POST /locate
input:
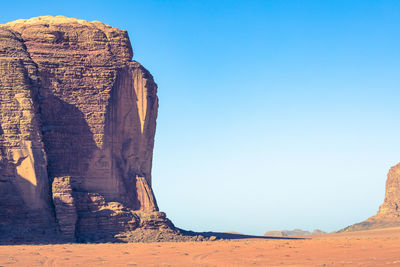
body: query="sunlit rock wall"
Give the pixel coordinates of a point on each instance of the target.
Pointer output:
(78, 120)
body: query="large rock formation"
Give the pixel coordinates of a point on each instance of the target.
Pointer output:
(77, 125)
(389, 212)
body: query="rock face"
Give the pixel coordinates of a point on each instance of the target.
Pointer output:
(77, 126)
(389, 212)
(64, 205)
(391, 205)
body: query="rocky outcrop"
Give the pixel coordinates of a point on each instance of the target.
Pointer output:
(391, 205)
(389, 212)
(77, 126)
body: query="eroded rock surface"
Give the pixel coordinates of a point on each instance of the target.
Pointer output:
(64, 205)
(77, 126)
(24, 186)
(389, 212)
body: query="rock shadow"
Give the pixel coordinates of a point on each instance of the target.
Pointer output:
(67, 138)
(68, 142)
(18, 223)
(231, 236)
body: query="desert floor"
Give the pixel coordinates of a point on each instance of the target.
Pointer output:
(367, 248)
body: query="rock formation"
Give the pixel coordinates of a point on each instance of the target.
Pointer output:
(389, 212)
(77, 126)
(295, 232)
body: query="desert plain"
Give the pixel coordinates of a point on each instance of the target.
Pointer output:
(364, 248)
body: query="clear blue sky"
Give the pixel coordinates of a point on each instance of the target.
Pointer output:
(273, 114)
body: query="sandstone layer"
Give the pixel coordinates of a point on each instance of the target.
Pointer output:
(77, 126)
(389, 212)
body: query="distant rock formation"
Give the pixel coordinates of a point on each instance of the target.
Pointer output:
(389, 212)
(77, 126)
(295, 232)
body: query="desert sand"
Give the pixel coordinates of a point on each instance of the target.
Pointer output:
(365, 248)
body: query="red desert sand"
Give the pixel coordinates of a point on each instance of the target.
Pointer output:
(364, 248)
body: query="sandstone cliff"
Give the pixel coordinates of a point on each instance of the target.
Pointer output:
(77, 126)
(389, 212)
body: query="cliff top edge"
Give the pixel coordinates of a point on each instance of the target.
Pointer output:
(52, 20)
